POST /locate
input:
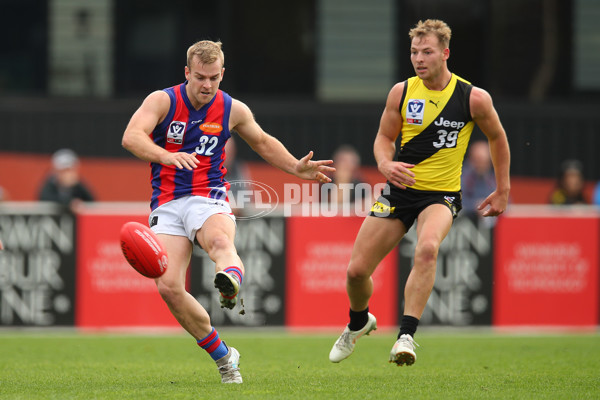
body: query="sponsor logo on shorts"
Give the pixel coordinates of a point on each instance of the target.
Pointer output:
(450, 203)
(380, 208)
(454, 211)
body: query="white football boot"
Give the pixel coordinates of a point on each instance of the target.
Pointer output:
(344, 346)
(403, 351)
(229, 367)
(229, 288)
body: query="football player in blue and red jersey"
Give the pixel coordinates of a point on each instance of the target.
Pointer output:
(182, 132)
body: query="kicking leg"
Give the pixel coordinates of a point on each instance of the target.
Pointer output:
(217, 237)
(189, 313)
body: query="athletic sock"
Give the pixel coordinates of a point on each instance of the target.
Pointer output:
(236, 272)
(408, 326)
(358, 319)
(213, 345)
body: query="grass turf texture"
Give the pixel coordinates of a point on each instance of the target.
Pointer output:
(286, 366)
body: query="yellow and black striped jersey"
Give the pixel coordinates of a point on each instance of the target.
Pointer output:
(436, 128)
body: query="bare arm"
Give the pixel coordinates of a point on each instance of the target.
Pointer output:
(136, 138)
(272, 150)
(485, 116)
(384, 148)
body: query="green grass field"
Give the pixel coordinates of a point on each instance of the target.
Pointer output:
(278, 365)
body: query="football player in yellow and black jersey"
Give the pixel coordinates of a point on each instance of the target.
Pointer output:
(433, 114)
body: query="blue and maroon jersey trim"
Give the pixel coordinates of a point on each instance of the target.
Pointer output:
(185, 129)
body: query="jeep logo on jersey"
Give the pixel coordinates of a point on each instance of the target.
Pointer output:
(211, 127)
(449, 124)
(414, 111)
(175, 132)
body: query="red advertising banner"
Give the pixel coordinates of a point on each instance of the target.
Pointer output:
(318, 252)
(546, 269)
(110, 293)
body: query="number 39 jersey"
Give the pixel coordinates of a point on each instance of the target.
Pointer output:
(436, 128)
(185, 129)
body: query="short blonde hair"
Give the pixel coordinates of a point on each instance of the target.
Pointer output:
(435, 26)
(207, 51)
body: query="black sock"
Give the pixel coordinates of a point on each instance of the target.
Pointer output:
(358, 319)
(408, 326)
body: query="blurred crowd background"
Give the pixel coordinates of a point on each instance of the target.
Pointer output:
(315, 72)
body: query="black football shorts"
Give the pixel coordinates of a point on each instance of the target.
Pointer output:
(407, 204)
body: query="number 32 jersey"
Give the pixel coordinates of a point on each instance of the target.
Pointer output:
(436, 128)
(204, 132)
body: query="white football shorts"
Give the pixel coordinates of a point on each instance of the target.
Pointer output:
(186, 215)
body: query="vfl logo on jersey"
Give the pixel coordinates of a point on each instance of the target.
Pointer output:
(175, 132)
(414, 111)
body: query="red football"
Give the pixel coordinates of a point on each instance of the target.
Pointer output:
(143, 250)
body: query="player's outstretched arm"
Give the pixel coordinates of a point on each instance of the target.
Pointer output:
(306, 168)
(136, 138)
(485, 116)
(272, 150)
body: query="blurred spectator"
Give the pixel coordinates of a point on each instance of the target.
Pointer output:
(570, 184)
(596, 194)
(64, 185)
(346, 161)
(596, 200)
(478, 179)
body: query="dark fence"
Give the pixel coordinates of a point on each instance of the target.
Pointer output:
(541, 136)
